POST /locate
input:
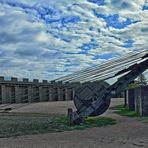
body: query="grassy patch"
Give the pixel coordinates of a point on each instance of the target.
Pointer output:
(16, 124)
(117, 107)
(124, 111)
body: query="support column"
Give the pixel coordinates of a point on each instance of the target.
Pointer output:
(144, 100)
(125, 97)
(3, 94)
(50, 94)
(73, 94)
(12, 100)
(45, 91)
(67, 94)
(137, 99)
(30, 99)
(41, 94)
(18, 94)
(60, 94)
(131, 100)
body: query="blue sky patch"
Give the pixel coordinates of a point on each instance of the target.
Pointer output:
(98, 2)
(128, 43)
(145, 7)
(89, 46)
(70, 64)
(113, 20)
(103, 56)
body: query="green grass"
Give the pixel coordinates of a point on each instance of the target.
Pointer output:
(17, 124)
(117, 107)
(144, 119)
(124, 111)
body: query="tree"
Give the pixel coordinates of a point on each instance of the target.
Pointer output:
(142, 81)
(133, 84)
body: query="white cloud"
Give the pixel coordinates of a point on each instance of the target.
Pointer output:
(29, 49)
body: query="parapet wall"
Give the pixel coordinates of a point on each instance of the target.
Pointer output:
(14, 91)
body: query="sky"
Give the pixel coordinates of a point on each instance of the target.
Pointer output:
(47, 39)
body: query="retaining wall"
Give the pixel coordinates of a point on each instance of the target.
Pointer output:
(14, 91)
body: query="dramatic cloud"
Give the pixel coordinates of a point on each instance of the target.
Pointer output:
(47, 39)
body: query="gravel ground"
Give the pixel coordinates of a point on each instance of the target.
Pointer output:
(127, 133)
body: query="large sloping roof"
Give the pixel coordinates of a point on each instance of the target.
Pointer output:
(107, 69)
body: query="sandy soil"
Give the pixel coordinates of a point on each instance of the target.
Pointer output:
(128, 133)
(59, 107)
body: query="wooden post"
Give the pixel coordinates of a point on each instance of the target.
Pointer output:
(70, 116)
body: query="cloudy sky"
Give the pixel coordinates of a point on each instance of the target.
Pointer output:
(47, 39)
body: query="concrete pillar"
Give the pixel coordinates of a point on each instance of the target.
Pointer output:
(30, 99)
(3, 94)
(73, 94)
(61, 94)
(35, 94)
(131, 100)
(44, 91)
(125, 97)
(144, 101)
(55, 94)
(54, 91)
(50, 94)
(137, 95)
(0, 95)
(12, 99)
(8, 94)
(18, 94)
(67, 94)
(25, 94)
(40, 93)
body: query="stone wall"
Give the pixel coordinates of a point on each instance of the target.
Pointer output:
(138, 100)
(14, 91)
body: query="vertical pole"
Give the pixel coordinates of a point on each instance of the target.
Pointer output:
(70, 116)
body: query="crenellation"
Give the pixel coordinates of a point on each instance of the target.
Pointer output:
(1, 78)
(35, 81)
(25, 80)
(45, 81)
(13, 79)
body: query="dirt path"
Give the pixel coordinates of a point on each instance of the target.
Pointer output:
(128, 133)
